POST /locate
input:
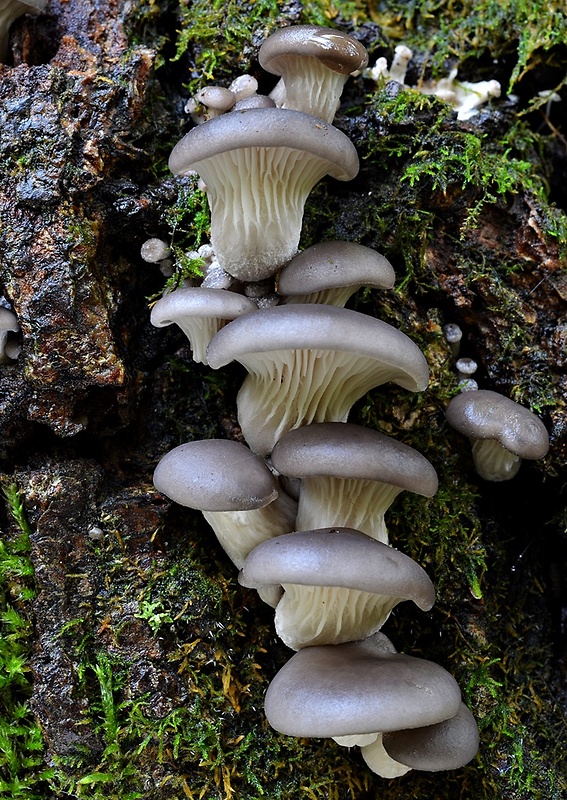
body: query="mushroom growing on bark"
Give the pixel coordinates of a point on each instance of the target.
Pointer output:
(314, 64)
(502, 432)
(310, 363)
(200, 313)
(8, 323)
(232, 487)
(10, 10)
(330, 272)
(339, 584)
(358, 688)
(349, 475)
(259, 166)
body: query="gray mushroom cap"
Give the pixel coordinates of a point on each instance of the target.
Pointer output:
(10, 10)
(195, 301)
(345, 450)
(355, 688)
(266, 127)
(335, 264)
(338, 557)
(489, 415)
(336, 50)
(317, 327)
(8, 320)
(449, 744)
(215, 475)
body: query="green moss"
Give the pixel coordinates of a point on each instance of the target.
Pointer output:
(21, 742)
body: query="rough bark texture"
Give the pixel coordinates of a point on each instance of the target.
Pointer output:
(149, 662)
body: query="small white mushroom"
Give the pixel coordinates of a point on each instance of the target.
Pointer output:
(8, 323)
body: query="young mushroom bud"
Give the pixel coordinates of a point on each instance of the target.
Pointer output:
(314, 64)
(259, 166)
(232, 487)
(501, 431)
(330, 272)
(310, 363)
(339, 584)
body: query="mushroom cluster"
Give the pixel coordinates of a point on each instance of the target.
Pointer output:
(301, 507)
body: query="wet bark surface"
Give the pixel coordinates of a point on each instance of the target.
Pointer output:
(97, 396)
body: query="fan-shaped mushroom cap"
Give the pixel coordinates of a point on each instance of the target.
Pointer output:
(350, 475)
(314, 63)
(259, 166)
(502, 432)
(200, 313)
(339, 584)
(234, 489)
(10, 10)
(449, 744)
(311, 363)
(355, 688)
(330, 272)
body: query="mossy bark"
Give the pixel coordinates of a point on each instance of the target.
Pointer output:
(148, 661)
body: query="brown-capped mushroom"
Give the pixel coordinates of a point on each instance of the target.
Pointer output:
(259, 166)
(349, 475)
(502, 432)
(330, 272)
(233, 488)
(314, 63)
(339, 584)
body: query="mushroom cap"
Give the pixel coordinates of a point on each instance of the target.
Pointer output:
(318, 327)
(361, 687)
(264, 128)
(215, 475)
(217, 98)
(345, 450)
(449, 744)
(335, 264)
(484, 414)
(8, 320)
(338, 557)
(336, 50)
(195, 301)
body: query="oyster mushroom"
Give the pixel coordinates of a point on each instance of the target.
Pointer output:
(233, 488)
(310, 363)
(259, 166)
(10, 10)
(339, 584)
(349, 475)
(314, 64)
(330, 272)
(200, 313)
(502, 432)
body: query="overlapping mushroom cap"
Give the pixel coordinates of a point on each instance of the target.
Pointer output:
(259, 166)
(502, 432)
(311, 363)
(235, 490)
(200, 313)
(339, 584)
(330, 272)
(314, 64)
(356, 688)
(350, 475)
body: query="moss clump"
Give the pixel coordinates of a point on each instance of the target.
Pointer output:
(21, 742)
